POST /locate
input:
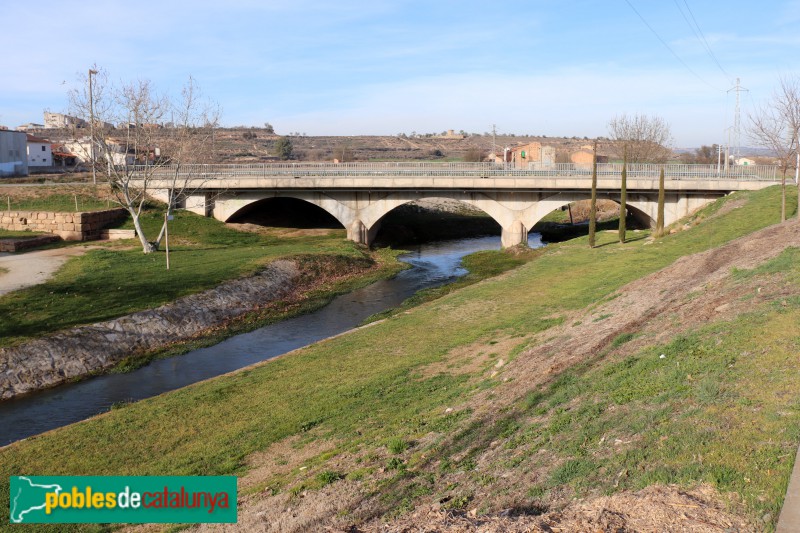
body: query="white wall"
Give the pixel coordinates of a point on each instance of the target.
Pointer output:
(39, 155)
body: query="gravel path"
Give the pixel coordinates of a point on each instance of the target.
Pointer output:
(32, 268)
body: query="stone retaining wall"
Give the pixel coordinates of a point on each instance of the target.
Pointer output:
(18, 244)
(81, 351)
(83, 226)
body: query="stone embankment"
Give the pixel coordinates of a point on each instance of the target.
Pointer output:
(82, 351)
(82, 226)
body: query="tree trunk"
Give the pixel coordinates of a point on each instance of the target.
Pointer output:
(623, 197)
(593, 205)
(660, 215)
(147, 247)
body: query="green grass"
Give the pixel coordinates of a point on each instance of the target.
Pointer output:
(111, 282)
(6, 233)
(367, 387)
(721, 408)
(85, 200)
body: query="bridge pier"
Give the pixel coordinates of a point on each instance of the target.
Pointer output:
(358, 232)
(516, 234)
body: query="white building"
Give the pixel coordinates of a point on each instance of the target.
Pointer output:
(745, 161)
(40, 154)
(82, 149)
(59, 120)
(30, 126)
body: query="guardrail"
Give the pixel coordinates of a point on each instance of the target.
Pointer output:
(452, 170)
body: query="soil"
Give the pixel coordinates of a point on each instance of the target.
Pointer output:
(32, 268)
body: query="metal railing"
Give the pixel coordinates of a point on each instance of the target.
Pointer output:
(460, 170)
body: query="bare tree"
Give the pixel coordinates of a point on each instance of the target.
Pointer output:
(648, 138)
(130, 157)
(196, 120)
(776, 126)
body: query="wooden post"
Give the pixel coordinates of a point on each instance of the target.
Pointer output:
(166, 238)
(660, 212)
(593, 205)
(623, 196)
(76, 203)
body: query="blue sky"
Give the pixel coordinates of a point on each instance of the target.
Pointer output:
(379, 67)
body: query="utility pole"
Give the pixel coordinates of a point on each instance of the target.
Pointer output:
(91, 126)
(737, 120)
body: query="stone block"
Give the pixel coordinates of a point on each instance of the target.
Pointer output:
(69, 235)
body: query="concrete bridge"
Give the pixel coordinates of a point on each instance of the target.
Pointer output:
(358, 195)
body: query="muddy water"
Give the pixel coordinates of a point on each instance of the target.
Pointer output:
(433, 264)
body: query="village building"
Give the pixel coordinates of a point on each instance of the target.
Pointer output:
(60, 120)
(584, 157)
(40, 154)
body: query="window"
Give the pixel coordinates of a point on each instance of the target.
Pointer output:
(44, 148)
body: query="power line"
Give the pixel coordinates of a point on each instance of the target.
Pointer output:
(701, 37)
(668, 47)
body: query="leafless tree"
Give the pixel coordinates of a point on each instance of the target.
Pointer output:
(131, 157)
(648, 138)
(776, 126)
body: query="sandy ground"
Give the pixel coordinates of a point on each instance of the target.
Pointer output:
(32, 268)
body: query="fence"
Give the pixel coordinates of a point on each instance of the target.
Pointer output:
(63, 203)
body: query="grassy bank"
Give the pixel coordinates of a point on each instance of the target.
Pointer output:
(375, 402)
(115, 279)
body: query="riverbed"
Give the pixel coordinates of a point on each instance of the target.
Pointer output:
(432, 264)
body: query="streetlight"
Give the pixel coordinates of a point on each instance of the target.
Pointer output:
(91, 126)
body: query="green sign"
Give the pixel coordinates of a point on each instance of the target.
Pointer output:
(122, 499)
(523, 154)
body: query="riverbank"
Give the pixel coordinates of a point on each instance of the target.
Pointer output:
(117, 279)
(509, 399)
(283, 288)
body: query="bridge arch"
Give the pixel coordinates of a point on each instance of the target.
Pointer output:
(508, 220)
(230, 206)
(397, 203)
(285, 211)
(641, 210)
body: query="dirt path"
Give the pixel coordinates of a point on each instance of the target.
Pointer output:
(32, 268)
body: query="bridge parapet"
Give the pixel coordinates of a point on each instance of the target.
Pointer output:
(451, 170)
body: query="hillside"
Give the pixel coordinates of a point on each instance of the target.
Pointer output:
(651, 385)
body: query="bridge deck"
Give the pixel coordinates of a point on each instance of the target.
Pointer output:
(454, 176)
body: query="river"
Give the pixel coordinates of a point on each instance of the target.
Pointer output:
(432, 264)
